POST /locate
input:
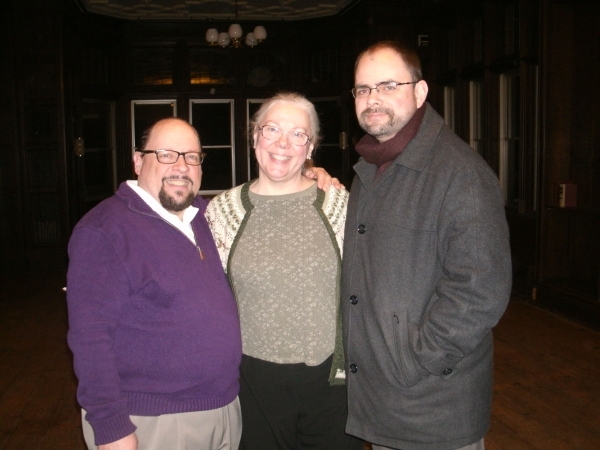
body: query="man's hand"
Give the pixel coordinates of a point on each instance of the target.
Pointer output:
(127, 443)
(324, 180)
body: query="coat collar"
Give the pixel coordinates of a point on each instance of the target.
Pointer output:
(133, 200)
(414, 157)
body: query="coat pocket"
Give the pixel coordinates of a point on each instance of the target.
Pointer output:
(408, 372)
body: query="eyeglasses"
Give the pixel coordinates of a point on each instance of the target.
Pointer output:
(385, 88)
(171, 156)
(296, 137)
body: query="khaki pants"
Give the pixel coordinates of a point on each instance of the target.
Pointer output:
(475, 446)
(216, 429)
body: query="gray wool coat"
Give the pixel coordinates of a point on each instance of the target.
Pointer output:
(426, 275)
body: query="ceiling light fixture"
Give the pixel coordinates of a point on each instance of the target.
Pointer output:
(234, 36)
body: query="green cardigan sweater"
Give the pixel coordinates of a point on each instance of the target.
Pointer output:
(227, 215)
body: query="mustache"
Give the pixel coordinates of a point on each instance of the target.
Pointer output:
(380, 110)
(178, 177)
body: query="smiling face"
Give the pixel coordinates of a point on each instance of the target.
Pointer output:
(279, 162)
(173, 185)
(383, 116)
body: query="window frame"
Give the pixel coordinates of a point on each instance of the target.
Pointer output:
(171, 101)
(231, 147)
(450, 106)
(476, 129)
(509, 137)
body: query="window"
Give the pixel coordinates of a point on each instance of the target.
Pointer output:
(252, 105)
(475, 115)
(330, 154)
(449, 106)
(214, 121)
(510, 154)
(144, 113)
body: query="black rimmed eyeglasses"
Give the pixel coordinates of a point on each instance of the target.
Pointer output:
(171, 156)
(385, 88)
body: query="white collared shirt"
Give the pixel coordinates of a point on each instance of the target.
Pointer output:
(184, 225)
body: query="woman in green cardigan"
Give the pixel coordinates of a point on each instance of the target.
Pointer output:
(280, 241)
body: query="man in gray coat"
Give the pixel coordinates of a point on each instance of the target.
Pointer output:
(426, 271)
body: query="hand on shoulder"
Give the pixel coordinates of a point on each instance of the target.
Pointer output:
(324, 180)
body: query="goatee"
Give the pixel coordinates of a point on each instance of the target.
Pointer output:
(173, 204)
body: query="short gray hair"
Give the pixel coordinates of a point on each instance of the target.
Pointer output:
(295, 99)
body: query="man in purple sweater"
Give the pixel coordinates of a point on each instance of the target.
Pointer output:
(153, 324)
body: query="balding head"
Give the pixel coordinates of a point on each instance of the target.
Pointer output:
(173, 185)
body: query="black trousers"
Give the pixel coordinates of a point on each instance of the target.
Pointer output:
(291, 407)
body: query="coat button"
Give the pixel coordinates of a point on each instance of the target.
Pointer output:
(447, 371)
(353, 368)
(353, 299)
(362, 229)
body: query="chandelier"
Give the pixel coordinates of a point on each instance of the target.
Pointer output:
(234, 36)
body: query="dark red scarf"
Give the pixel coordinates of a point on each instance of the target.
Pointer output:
(383, 153)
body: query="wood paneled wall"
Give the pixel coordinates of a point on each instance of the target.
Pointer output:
(34, 191)
(568, 260)
(58, 56)
(11, 217)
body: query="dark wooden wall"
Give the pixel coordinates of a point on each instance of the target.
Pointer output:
(33, 180)
(555, 53)
(569, 246)
(56, 56)
(11, 237)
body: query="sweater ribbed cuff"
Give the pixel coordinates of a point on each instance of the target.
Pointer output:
(112, 429)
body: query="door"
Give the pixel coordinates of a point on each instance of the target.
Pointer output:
(332, 153)
(95, 155)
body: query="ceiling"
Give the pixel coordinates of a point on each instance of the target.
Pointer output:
(216, 9)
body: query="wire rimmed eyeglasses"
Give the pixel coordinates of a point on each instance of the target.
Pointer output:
(385, 87)
(171, 156)
(272, 133)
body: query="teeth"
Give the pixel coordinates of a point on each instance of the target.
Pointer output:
(177, 183)
(280, 157)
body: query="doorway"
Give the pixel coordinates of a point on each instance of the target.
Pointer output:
(95, 169)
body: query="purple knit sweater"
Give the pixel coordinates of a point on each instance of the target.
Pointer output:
(153, 328)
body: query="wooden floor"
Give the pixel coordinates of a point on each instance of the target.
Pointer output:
(547, 375)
